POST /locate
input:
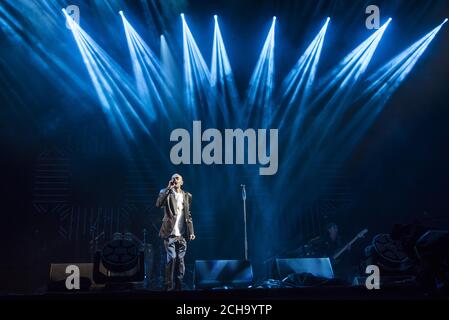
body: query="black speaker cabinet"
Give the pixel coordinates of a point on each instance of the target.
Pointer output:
(58, 276)
(222, 273)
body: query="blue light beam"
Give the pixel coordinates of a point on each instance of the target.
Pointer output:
(197, 79)
(150, 80)
(301, 78)
(384, 83)
(112, 85)
(348, 77)
(261, 84)
(354, 64)
(340, 85)
(167, 62)
(222, 78)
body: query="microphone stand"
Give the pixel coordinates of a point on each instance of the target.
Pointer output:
(145, 259)
(244, 220)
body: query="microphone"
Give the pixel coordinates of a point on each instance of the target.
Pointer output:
(169, 187)
(243, 192)
(172, 184)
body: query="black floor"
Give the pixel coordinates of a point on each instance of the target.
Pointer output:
(275, 294)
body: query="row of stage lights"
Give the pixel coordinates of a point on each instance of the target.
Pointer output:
(214, 86)
(216, 16)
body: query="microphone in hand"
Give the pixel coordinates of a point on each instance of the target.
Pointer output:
(171, 184)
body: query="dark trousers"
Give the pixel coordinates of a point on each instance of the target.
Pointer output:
(175, 247)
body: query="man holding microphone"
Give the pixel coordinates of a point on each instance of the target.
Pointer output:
(177, 227)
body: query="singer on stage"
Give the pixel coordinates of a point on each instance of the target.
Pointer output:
(177, 226)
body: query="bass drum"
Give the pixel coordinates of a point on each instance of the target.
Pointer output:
(388, 254)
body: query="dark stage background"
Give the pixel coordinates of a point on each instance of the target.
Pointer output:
(65, 172)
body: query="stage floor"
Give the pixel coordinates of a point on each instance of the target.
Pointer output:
(252, 294)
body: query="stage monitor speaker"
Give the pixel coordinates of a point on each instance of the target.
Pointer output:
(222, 273)
(319, 267)
(58, 276)
(391, 281)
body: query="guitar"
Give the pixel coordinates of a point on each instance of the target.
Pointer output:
(360, 235)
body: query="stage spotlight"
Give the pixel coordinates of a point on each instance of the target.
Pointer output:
(168, 63)
(337, 94)
(349, 76)
(399, 67)
(302, 76)
(182, 16)
(197, 78)
(355, 63)
(114, 89)
(67, 15)
(150, 81)
(305, 61)
(20, 29)
(262, 80)
(445, 20)
(120, 12)
(222, 79)
(215, 17)
(274, 18)
(365, 57)
(343, 80)
(383, 84)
